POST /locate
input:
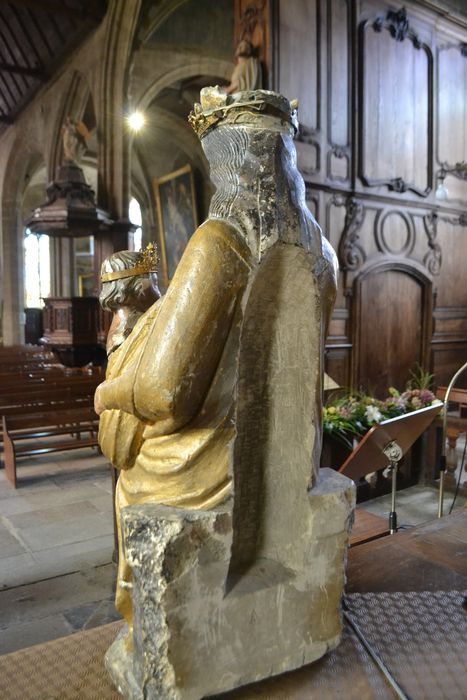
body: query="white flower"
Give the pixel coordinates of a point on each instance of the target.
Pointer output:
(373, 414)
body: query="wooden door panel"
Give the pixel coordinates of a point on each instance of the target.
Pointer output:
(390, 330)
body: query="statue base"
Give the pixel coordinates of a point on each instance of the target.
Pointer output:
(200, 629)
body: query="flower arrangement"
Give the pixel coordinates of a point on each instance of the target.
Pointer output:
(349, 417)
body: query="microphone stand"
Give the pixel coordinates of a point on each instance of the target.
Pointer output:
(442, 459)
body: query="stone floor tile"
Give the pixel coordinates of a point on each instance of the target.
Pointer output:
(31, 632)
(10, 545)
(102, 503)
(53, 514)
(25, 499)
(67, 532)
(16, 569)
(57, 562)
(53, 596)
(92, 614)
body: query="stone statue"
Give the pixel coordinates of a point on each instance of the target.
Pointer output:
(247, 74)
(234, 542)
(128, 292)
(129, 288)
(75, 135)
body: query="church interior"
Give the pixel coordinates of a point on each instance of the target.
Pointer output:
(97, 156)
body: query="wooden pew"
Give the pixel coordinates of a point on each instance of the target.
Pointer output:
(18, 380)
(51, 430)
(26, 351)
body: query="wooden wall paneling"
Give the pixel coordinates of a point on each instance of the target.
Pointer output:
(338, 70)
(449, 341)
(452, 280)
(451, 102)
(446, 359)
(299, 74)
(393, 313)
(395, 106)
(373, 81)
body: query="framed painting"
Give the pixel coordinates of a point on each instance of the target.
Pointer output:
(176, 212)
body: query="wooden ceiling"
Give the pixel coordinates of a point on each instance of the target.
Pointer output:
(35, 37)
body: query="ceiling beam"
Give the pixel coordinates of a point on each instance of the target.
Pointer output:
(38, 73)
(59, 7)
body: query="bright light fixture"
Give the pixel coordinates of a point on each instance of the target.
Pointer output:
(136, 121)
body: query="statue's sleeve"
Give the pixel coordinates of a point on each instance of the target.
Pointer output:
(185, 343)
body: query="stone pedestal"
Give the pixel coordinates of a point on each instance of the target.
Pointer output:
(200, 629)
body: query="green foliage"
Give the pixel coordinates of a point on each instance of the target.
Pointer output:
(348, 417)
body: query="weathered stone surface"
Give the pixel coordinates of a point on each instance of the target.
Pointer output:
(199, 631)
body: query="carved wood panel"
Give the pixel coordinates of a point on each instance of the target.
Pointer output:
(390, 335)
(396, 76)
(383, 103)
(299, 67)
(338, 90)
(452, 122)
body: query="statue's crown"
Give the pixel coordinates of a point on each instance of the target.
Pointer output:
(147, 261)
(242, 108)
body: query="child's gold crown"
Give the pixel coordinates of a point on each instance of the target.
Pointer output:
(147, 262)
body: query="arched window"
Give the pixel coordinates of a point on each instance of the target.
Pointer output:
(36, 268)
(134, 214)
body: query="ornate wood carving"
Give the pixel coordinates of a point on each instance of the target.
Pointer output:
(351, 253)
(398, 25)
(394, 233)
(382, 136)
(433, 258)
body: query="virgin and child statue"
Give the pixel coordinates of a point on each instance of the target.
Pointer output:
(214, 396)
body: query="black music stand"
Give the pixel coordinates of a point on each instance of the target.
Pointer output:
(385, 444)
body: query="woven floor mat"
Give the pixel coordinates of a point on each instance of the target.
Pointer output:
(72, 668)
(64, 669)
(420, 637)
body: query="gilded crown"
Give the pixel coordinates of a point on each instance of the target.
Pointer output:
(242, 108)
(147, 261)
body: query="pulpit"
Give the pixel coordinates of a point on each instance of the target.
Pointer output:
(71, 330)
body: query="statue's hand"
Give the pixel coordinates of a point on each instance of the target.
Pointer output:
(98, 406)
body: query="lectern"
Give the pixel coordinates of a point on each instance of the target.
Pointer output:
(385, 444)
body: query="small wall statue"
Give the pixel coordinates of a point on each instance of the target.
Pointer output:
(247, 74)
(234, 540)
(74, 137)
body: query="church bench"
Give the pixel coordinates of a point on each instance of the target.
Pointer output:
(26, 352)
(48, 431)
(51, 401)
(25, 381)
(26, 395)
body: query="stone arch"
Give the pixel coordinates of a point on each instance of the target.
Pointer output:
(24, 161)
(202, 65)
